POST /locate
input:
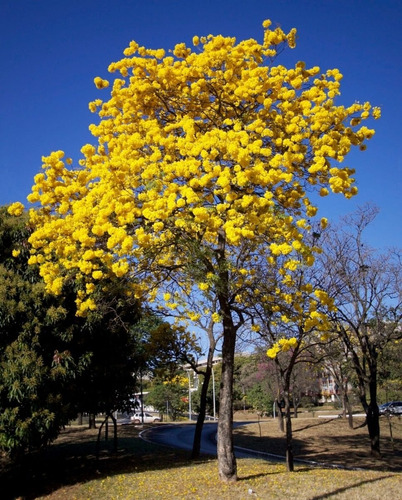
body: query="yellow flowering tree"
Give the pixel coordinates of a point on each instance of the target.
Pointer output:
(205, 155)
(290, 314)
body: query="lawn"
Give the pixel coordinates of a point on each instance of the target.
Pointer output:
(69, 470)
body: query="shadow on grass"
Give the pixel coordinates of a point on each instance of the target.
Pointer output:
(344, 451)
(323, 496)
(348, 488)
(320, 423)
(256, 476)
(73, 460)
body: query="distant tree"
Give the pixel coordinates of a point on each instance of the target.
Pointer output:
(304, 385)
(169, 395)
(265, 379)
(247, 380)
(162, 346)
(255, 385)
(334, 358)
(259, 399)
(390, 373)
(207, 395)
(244, 371)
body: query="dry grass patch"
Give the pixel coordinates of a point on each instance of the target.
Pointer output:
(329, 441)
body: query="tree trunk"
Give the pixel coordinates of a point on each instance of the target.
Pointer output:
(92, 422)
(373, 414)
(289, 435)
(99, 435)
(296, 405)
(373, 425)
(203, 405)
(226, 458)
(371, 410)
(281, 424)
(114, 432)
(347, 409)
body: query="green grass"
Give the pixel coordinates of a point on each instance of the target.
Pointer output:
(140, 470)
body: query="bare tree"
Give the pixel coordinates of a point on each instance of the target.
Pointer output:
(365, 285)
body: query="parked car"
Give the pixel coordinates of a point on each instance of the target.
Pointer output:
(137, 418)
(391, 408)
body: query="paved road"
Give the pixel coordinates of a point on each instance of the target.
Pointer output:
(182, 435)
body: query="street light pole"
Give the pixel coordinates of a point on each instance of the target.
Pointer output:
(189, 395)
(142, 399)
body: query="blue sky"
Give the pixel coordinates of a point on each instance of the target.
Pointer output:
(51, 50)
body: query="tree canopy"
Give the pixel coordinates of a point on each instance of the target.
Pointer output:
(202, 144)
(53, 363)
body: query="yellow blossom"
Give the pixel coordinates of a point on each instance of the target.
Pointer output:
(101, 83)
(216, 318)
(16, 209)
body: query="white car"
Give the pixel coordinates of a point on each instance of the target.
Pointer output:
(391, 408)
(147, 418)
